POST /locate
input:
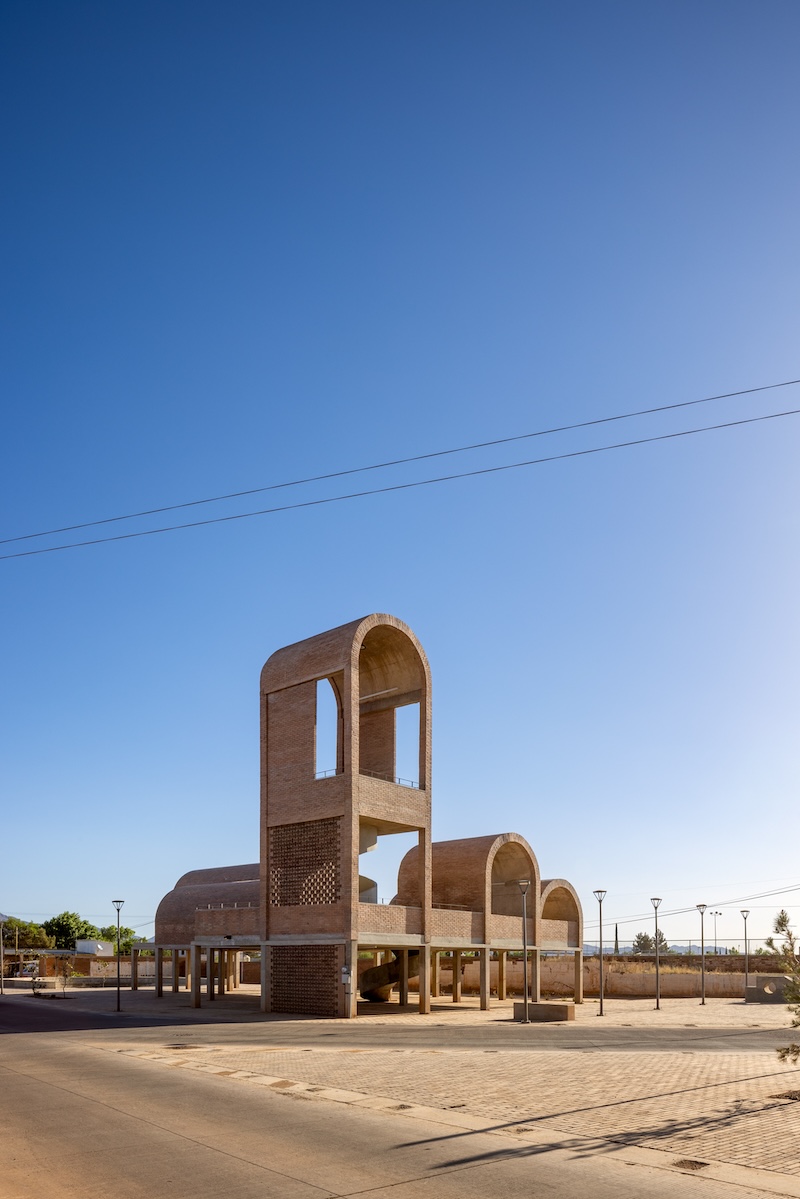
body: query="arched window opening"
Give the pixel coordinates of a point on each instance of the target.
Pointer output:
(511, 863)
(407, 745)
(327, 731)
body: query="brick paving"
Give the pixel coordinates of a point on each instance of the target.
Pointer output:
(718, 1107)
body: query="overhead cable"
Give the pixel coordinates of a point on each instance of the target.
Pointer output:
(356, 470)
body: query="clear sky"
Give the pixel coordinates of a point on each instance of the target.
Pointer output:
(248, 243)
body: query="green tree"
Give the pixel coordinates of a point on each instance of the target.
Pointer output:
(69, 927)
(644, 943)
(127, 936)
(788, 950)
(26, 935)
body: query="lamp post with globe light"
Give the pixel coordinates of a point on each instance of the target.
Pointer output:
(524, 883)
(745, 914)
(118, 904)
(655, 902)
(600, 896)
(701, 907)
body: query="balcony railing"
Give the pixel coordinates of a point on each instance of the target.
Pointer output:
(390, 778)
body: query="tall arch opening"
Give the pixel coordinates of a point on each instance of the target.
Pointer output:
(391, 694)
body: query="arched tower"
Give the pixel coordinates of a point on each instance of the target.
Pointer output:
(318, 814)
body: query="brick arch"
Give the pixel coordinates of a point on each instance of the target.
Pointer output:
(560, 902)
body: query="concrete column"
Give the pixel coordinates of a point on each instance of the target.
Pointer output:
(176, 969)
(579, 976)
(237, 970)
(266, 990)
(221, 955)
(159, 972)
(435, 983)
(134, 969)
(187, 981)
(350, 997)
(424, 981)
(536, 976)
(403, 988)
(210, 974)
(502, 985)
(456, 976)
(484, 979)
(194, 972)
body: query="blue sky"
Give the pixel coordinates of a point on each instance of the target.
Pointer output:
(245, 244)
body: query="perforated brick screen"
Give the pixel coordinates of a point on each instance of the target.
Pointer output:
(305, 981)
(304, 863)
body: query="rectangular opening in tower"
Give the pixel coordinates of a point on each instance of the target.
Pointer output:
(407, 746)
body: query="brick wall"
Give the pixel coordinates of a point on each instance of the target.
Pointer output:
(226, 922)
(307, 982)
(388, 918)
(304, 864)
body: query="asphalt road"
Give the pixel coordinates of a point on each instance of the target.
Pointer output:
(81, 1121)
(228, 1020)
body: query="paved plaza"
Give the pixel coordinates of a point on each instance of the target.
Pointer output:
(676, 1096)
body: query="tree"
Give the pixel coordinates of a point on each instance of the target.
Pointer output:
(126, 936)
(69, 927)
(644, 943)
(26, 935)
(788, 950)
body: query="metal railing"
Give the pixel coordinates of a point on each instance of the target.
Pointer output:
(391, 778)
(373, 774)
(220, 907)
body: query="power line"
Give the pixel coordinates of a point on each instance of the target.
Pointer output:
(339, 474)
(354, 495)
(721, 903)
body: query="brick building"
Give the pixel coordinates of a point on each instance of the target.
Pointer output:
(305, 905)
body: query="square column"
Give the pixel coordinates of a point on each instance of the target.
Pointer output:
(176, 970)
(134, 969)
(159, 972)
(187, 957)
(456, 976)
(266, 990)
(424, 981)
(579, 976)
(536, 976)
(502, 983)
(210, 974)
(435, 984)
(193, 972)
(350, 981)
(403, 988)
(484, 960)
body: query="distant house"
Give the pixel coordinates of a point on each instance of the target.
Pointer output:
(98, 949)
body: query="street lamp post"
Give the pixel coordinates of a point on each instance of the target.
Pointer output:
(655, 902)
(701, 907)
(600, 896)
(745, 914)
(715, 914)
(524, 883)
(2, 953)
(118, 904)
